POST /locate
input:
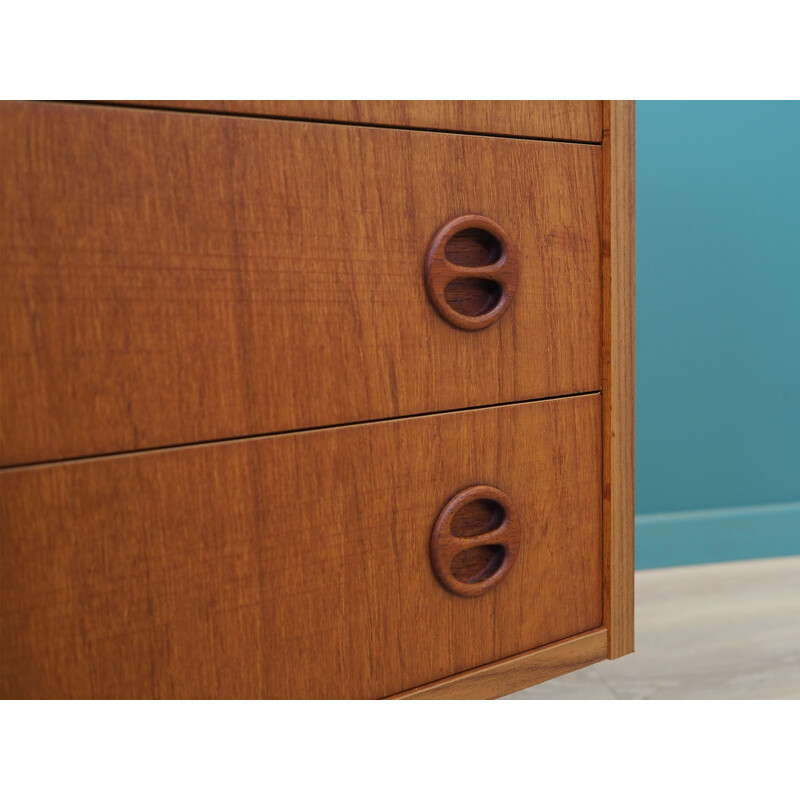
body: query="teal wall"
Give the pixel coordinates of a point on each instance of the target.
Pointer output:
(718, 331)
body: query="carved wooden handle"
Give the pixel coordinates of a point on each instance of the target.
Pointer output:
(471, 272)
(475, 540)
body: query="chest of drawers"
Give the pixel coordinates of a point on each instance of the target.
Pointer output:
(314, 399)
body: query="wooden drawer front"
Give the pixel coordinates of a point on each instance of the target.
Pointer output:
(575, 120)
(172, 278)
(295, 565)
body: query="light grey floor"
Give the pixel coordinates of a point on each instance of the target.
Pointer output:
(712, 631)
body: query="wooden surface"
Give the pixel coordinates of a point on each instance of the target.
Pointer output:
(294, 565)
(619, 245)
(172, 278)
(574, 120)
(705, 632)
(527, 669)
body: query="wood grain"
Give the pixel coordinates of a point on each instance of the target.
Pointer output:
(574, 120)
(517, 672)
(171, 278)
(619, 246)
(295, 565)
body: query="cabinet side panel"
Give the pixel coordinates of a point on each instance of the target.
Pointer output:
(619, 242)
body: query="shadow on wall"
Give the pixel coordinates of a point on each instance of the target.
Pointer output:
(718, 331)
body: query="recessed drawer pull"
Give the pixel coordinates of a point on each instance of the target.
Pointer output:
(471, 272)
(475, 540)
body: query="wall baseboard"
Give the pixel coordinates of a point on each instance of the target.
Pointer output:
(722, 534)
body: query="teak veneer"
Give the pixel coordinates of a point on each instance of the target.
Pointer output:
(314, 399)
(172, 278)
(295, 565)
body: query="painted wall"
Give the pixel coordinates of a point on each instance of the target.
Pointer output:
(718, 331)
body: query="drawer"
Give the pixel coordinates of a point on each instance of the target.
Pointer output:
(576, 120)
(171, 278)
(300, 565)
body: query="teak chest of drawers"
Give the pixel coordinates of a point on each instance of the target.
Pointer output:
(314, 399)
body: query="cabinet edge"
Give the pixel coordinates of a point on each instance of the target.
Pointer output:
(618, 271)
(516, 672)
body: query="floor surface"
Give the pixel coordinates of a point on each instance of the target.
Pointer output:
(713, 631)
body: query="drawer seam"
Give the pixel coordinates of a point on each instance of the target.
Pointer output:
(289, 432)
(133, 106)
